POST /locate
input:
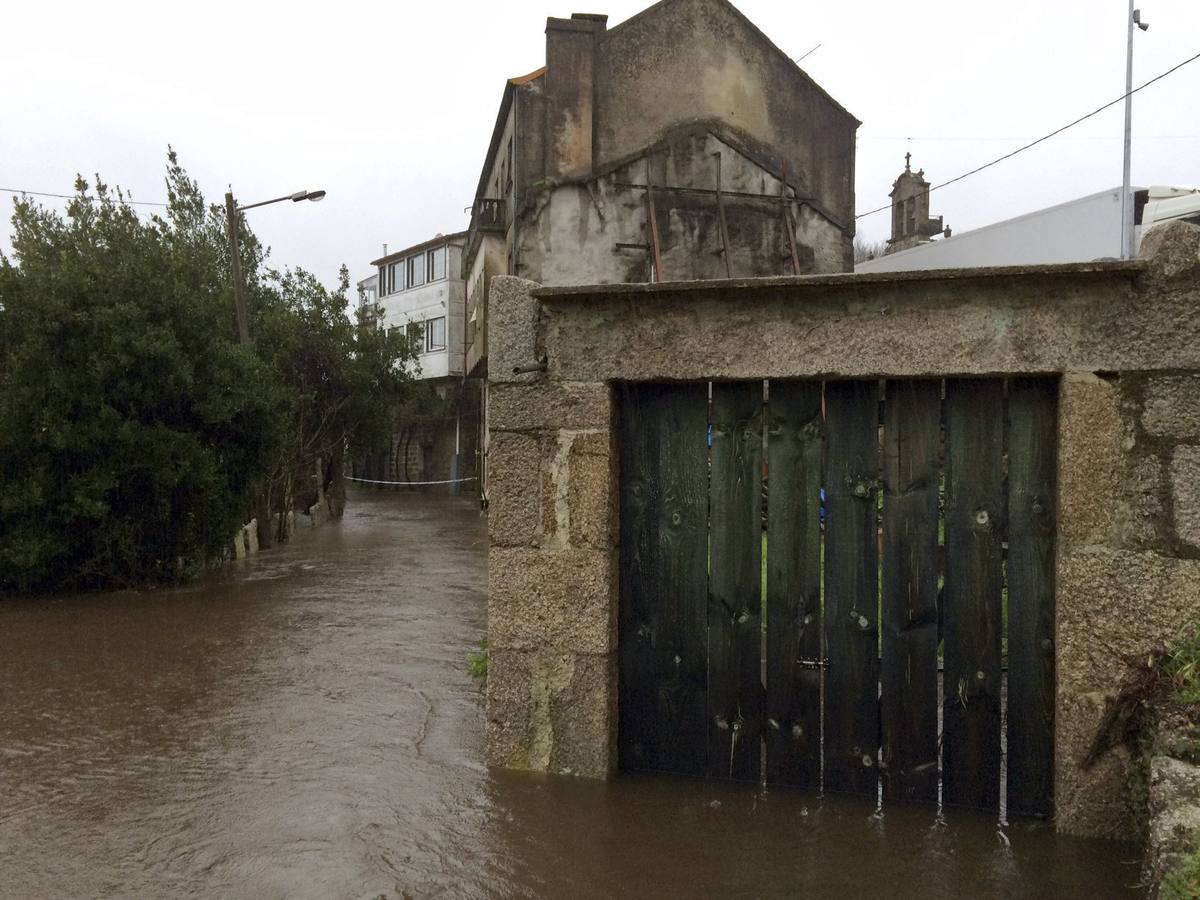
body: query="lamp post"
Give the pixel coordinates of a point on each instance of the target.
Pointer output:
(235, 259)
(1135, 18)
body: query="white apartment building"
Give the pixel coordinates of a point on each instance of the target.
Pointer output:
(421, 289)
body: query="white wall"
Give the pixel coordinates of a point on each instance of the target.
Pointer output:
(442, 298)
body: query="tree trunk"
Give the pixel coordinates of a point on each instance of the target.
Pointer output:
(285, 508)
(262, 512)
(407, 446)
(335, 482)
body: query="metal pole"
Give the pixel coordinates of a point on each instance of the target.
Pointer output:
(235, 270)
(265, 202)
(1126, 199)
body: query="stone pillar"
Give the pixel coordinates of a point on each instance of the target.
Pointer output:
(552, 561)
(1097, 801)
(1122, 590)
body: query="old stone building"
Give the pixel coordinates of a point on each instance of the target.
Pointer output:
(911, 222)
(680, 144)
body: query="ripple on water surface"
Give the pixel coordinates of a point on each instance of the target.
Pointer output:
(300, 724)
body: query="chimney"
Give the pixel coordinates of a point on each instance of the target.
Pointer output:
(570, 58)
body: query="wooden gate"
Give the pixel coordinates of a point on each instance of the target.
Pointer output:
(841, 585)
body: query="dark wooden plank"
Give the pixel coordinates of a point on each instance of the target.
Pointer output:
(851, 586)
(1032, 459)
(971, 596)
(663, 666)
(908, 699)
(795, 437)
(735, 695)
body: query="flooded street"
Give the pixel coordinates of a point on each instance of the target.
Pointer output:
(301, 724)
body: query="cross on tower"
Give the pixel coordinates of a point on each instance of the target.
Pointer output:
(907, 160)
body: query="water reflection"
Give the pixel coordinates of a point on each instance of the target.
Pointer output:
(301, 725)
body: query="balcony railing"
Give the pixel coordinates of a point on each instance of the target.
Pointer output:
(491, 215)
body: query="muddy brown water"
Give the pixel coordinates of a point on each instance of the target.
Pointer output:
(301, 725)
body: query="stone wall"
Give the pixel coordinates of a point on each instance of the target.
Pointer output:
(1125, 338)
(1128, 580)
(1174, 804)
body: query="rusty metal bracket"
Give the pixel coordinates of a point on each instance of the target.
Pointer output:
(652, 218)
(788, 223)
(724, 226)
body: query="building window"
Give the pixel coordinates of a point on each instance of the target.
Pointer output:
(414, 335)
(394, 280)
(435, 334)
(435, 264)
(416, 270)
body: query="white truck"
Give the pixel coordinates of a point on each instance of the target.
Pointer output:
(1080, 230)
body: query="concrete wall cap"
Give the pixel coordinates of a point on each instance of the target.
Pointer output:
(1110, 268)
(1173, 250)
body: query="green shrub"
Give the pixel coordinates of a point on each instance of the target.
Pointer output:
(477, 661)
(1183, 665)
(1182, 882)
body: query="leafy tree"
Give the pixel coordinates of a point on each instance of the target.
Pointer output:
(130, 424)
(135, 432)
(343, 380)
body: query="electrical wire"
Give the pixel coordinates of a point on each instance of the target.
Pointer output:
(870, 212)
(4, 190)
(1046, 137)
(1025, 137)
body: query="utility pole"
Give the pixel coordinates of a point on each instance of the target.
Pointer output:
(235, 258)
(235, 269)
(1127, 249)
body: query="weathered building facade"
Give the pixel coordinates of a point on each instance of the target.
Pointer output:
(681, 144)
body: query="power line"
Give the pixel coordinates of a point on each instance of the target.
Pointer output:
(1025, 137)
(4, 190)
(1046, 137)
(871, 212)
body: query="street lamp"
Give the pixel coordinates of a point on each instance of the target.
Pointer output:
(1135, 18)
(235, 260)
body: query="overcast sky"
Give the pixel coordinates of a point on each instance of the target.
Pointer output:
(389, 107)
